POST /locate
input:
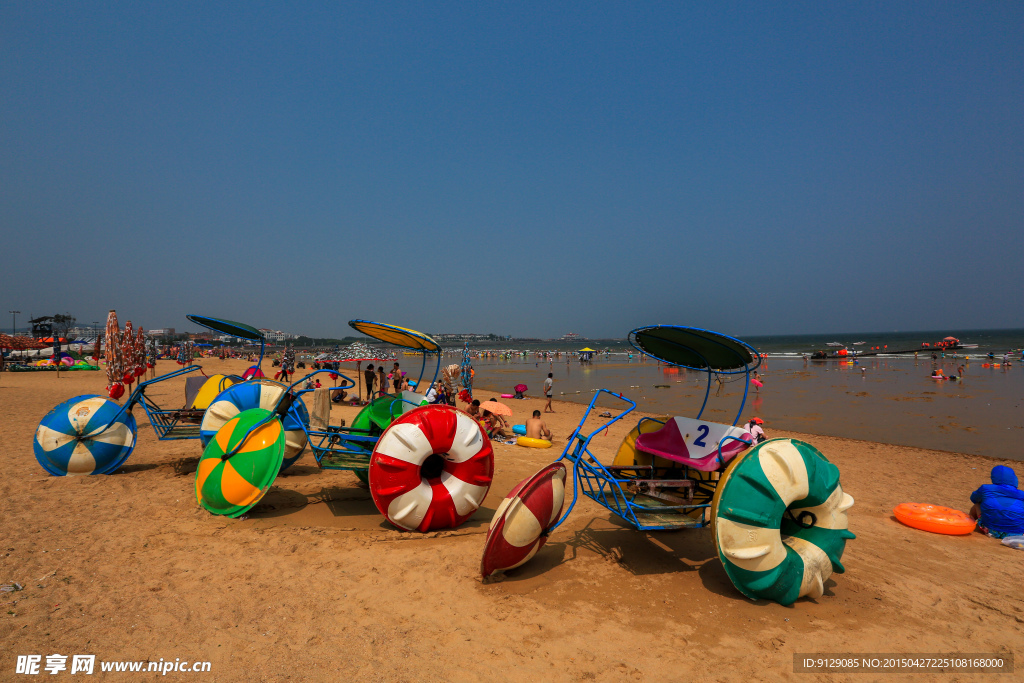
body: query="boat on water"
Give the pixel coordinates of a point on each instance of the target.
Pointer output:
(946, 344)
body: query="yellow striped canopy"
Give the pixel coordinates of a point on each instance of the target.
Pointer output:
(399, 336)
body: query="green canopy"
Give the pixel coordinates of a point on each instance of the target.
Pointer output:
(695, 349)
(228, 327)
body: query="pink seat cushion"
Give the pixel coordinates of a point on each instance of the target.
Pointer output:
(669, 443)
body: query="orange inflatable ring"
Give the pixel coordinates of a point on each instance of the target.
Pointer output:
(934, 518)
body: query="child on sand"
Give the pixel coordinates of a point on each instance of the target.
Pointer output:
(999, 506)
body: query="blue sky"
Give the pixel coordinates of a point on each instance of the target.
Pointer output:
(519, 168)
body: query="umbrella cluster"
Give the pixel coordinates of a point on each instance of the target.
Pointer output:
(125, 355)
(20, 343)
(186, 352)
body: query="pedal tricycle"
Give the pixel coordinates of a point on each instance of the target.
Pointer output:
(776, 509)
(92, 434)
(427, 466)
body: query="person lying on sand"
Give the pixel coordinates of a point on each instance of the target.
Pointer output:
(999, 506)
(536, 428)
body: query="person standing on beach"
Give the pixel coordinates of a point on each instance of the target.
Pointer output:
(382, 379)
(396, 378)
(548, 390)
(371, 378)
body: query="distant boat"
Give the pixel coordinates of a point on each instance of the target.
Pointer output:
(835, 344)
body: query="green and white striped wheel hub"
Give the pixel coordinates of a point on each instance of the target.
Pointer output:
(767, 553)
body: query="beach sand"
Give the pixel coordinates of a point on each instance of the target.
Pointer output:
(316, 585)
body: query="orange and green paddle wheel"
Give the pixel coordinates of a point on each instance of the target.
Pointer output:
(240, 463)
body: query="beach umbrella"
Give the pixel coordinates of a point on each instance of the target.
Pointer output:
(139, 353)
(359, 353)
(128, 353)
(56, 353)
(520, 388)
(112, 343)
(238, 467)
(496, 408)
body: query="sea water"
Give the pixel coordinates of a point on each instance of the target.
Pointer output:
(887, 399)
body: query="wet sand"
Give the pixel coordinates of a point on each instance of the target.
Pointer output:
(314, 585)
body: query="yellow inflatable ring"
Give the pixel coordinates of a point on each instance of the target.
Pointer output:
(533, 443)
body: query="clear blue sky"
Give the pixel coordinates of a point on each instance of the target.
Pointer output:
(532, 169)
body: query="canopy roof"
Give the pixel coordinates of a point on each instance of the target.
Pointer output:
(587, 348)
(354, 353)
(228, 327)
(20, 343)
(399, 336)
(694, 348)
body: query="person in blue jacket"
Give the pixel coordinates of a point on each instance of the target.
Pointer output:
(999, 506)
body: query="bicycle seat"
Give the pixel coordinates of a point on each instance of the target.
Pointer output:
(694, 443)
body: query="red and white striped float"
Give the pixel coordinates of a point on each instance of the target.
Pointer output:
(431, 469)
(521, 524)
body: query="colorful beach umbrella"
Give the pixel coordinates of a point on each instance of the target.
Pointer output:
(496, 408)
(229, 481)
(84, 435)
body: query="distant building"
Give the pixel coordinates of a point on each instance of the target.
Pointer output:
(470, 337)
(276, 335)
(85, 333)
(165, 332)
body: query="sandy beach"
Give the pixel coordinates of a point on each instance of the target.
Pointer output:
(314, 584)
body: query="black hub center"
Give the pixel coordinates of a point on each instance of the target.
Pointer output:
(432, 466)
